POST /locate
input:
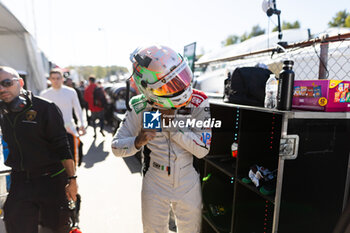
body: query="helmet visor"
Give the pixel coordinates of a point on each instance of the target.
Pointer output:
(178, 83)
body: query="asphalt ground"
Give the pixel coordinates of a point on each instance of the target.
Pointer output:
(110, 188)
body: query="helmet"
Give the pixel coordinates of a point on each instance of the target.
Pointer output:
(163, 76)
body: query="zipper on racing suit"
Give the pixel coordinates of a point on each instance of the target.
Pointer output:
(169, 172)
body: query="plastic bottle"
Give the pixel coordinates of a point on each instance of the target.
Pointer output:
(271, 92)
(285, 86)
(234, 149)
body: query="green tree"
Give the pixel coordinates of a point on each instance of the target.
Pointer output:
(114, 70)
(340, 19)
(256, 31)
(99, 71)
(347, 22)
(231, 39)
(244, 37)
(288, 25)
(85, 71)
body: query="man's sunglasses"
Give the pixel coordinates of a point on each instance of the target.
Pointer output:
(8, 82)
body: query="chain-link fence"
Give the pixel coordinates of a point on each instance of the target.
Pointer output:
(326, 58)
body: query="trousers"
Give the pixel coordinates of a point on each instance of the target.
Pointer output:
(156, 206)
(35, 200)
(95, 116)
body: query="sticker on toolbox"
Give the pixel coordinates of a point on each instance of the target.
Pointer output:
(334, 83)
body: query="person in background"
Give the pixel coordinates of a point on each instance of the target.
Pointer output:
(170, 179)
(84, 106)
(69, 83)
(43, 176)
(66, 99)
(96, 100)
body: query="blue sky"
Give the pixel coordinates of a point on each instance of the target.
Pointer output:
(105, 32)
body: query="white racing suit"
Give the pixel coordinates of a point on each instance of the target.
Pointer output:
(171, 181)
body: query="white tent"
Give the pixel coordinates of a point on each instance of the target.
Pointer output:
(18, 50)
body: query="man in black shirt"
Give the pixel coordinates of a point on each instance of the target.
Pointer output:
(43, 176)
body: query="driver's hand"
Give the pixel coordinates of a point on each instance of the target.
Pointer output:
(143, 137)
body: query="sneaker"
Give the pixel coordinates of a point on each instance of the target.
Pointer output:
(266, 191)
(246, 180)
(268, 188)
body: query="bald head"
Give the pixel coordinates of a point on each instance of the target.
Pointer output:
(10, 84)
(10, 71)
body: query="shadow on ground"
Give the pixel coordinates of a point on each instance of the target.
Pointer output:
(94, 155)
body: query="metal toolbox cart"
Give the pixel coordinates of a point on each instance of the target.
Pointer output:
(308, 150)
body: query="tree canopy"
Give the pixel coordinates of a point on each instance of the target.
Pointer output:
(341, 19)
(233, 39)
(288, 25)
(99, 71)
(256, 31)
